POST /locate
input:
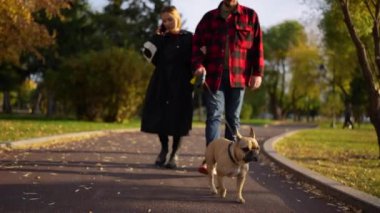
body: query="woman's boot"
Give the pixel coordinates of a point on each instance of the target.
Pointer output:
(161, 158)
(172, 163)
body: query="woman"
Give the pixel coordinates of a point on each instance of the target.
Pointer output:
(168, 103)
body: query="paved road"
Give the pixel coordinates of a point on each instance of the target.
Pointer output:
(115, 173)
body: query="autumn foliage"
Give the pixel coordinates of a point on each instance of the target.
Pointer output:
(19, 32)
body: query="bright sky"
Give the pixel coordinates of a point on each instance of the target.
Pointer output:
(271, 12)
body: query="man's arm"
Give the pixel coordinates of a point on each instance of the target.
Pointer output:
(199, 47)
(256, 55)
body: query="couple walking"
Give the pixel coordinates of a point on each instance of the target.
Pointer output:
(227, 48)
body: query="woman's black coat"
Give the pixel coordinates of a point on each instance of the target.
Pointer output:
(168, 106)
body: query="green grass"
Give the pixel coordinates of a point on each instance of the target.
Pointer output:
(16, 127)
(347, 156)
(22, 126)
(257, 122)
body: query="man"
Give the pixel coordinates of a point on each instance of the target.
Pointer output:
(228, 49)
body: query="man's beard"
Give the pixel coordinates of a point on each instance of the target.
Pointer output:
(229, 5)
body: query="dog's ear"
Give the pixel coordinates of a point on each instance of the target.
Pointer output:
(238, 135)
(252, 134)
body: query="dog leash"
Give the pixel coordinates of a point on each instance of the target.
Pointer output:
(225, 121)
(197, 81)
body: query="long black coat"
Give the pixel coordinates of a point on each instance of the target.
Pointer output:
(168, 106)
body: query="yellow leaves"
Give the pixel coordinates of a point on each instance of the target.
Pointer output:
(18, 30)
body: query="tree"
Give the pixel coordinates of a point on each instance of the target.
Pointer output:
(340, 62)
(356, 17)
(10, 77)
(359, 97)
(133, 21)
(304, 86)
(19, 33)
(76, 33)
(278, 41)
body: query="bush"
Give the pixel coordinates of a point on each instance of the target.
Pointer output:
(246, 111)
(108, 85)
(257, 102)
(25, 93)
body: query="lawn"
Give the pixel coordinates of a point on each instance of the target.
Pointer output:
(16, 127)
(347, 156)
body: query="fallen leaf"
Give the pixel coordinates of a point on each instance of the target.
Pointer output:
(30, 193)
(27, 174)
(34, 198)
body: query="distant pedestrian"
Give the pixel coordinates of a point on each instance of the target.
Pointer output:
(168, 107)
(228, 49)
(347, 117)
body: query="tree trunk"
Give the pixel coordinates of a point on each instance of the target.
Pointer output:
(36, 105)
(273, 106)
(374, 115)
(282, 92)
(7, 107)
(36, 101)
(50, 105)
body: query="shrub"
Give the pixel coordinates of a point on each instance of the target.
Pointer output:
(246, 111)
(108, 85)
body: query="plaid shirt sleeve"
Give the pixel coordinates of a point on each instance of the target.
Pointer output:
(199, 40)
(256, 53)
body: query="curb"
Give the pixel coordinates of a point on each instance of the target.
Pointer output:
(28, 143)
(367, 202)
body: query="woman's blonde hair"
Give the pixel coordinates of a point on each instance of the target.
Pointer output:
(173, 12)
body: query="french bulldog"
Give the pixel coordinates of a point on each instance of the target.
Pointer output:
(230, 159)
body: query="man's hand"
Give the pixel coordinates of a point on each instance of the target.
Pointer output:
(254, 82)
(200, 71)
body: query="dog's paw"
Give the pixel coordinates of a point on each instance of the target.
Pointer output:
(214, 191)
(222, 192)
(241, 200)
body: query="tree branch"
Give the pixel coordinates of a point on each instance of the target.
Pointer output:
(376, 36)
(367, 2)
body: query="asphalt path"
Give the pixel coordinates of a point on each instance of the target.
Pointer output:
(115, 173)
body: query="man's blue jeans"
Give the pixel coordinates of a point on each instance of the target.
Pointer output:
(228, 100)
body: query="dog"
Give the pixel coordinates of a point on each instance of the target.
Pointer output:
(230, 159)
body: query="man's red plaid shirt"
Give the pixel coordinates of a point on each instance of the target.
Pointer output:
(246, 55)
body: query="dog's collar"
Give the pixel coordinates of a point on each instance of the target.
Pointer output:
(230, 154)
